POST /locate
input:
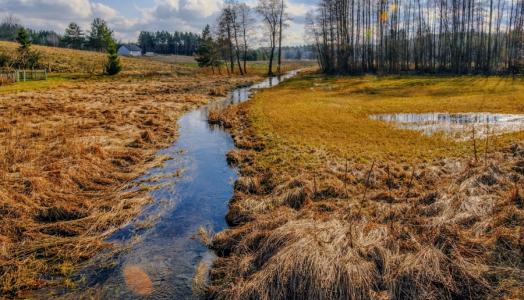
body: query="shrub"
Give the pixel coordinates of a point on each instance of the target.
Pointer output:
(113, 65)
(27, 57)
(5, 60)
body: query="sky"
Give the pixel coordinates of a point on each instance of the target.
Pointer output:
(128, 17)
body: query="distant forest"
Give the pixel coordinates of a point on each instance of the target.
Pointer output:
(9, 30)
(187, 43)
(74, 37)
(163, 42)
(430, 36)
(159, 42)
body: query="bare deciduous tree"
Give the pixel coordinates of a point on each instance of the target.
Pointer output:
(271, 12)
(245, 24)
(390, 36)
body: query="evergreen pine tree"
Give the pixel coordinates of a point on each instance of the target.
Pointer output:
(205, 50)
(27, 58)
(97, 39)
(23, 39)
(73, 37)
(113, 65)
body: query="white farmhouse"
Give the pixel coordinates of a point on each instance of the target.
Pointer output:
(130, 50)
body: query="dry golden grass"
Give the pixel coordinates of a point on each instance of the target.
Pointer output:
(331, 114)
(323, 212)
(69, 154)
(60, 60)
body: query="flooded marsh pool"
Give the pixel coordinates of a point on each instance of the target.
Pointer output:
(459, 126)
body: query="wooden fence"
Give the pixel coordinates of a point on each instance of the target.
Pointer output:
(22, 75)
(7, 77)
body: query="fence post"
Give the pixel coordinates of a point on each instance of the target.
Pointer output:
(45, 73)
(25, 75)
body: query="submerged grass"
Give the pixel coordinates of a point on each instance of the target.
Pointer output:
(333, 205)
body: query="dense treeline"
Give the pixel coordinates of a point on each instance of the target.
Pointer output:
(163, 42)
(10, 27)
(74, 37)
(100, 38)
(391, 36)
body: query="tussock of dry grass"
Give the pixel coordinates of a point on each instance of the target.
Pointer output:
(68, 157)
(312, 223)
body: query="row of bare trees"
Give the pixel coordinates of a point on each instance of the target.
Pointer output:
(237, 24)
(431, 36)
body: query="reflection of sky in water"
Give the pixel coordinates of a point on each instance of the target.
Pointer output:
(456, 125)
(162, 263)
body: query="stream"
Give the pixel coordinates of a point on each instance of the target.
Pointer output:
(161, 264)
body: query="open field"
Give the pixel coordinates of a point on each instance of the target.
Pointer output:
(334, 205)
(60, 60)
(70, 149)
(338, 110)
(173, 59)
(84, 63)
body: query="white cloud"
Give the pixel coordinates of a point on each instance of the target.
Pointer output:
(170, 15)
(298, 9)
(50, 9)
(103, 11)
(204, 8)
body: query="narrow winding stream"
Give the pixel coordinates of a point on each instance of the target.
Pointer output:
(161, 264)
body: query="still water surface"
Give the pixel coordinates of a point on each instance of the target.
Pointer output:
(456, 125)
(161, 264)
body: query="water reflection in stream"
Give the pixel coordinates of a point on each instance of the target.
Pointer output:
(162, 263)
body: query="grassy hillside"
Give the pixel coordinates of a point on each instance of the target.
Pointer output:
(62, 60)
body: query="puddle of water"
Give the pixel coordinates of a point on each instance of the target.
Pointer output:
(456, 125)
(161, 265)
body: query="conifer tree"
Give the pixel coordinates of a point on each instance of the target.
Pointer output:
(207, 53)
(73, 37)
(113, 65)
(27, 58)
(204, 51)
(23, 39)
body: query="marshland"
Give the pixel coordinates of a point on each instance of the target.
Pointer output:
(290, 149)
(331, 203)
